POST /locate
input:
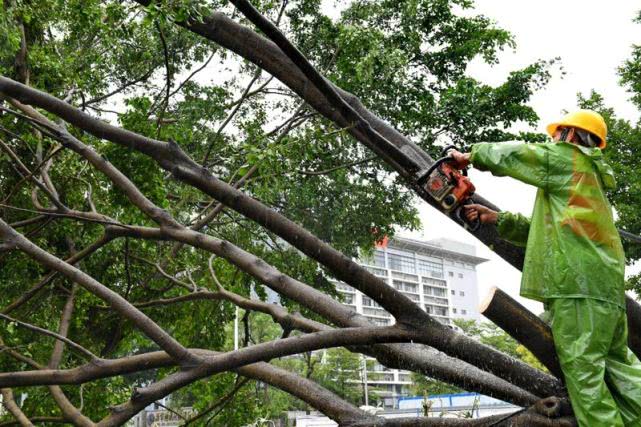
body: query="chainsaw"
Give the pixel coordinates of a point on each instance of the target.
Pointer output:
(450, 187)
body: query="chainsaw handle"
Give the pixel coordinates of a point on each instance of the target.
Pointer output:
(445, 153)
(473, 226)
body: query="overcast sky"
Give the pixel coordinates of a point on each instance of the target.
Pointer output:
(592, 39)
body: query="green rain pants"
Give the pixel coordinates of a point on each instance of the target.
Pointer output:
(602, 375)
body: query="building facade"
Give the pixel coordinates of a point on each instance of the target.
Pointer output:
(439, 275)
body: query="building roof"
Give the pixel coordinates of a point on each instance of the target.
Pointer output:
(443, 248)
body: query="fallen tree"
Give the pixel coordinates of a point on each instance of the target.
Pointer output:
(36, 117)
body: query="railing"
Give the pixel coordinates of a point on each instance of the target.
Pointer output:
(377, 271)
(375, 312)
(434, 300)
(379, 376)
(405, 276)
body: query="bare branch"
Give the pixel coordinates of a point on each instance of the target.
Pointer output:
(119, 89)
(26, 296)
(167, 76)
(231, 115)
(69, 411)
(77, 347)
(335, 168)
(65, 320)
(10, 404)
(26, 222)
(168, 276)
(150, 328)
(193, 73)
(218, 403)
(27, 174)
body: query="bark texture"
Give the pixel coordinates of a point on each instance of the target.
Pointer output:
(523, 326)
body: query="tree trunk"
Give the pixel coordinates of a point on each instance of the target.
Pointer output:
(536, 335)
(523, 326)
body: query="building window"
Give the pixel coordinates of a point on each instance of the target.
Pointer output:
(348, 299)
(460, 275)
(343, 287)
(381, 272)
(429, 268)
(405, 276)
(379, 258)
(413, 297)
(463, 311)
(451, 273)
(402, 263)
(406, 286)
(435, 282)
(461, 293)
(453, 292)
(439, 292)
(454, 310)
(368, 302)
(440, 311)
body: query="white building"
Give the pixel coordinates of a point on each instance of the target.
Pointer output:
(439, 275)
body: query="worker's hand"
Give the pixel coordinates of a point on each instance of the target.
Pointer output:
(480, 212)
(461, 160)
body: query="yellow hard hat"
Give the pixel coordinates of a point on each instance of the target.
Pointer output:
(588, 120)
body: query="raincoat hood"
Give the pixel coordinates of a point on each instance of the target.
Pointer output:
(605, 170)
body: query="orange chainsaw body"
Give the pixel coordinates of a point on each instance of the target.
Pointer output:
(449, 186)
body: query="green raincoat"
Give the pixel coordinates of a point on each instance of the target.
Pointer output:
(574, 262)
(573, 249)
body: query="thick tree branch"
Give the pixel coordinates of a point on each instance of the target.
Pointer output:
(523, 326)
(172, 158)
(247, 355)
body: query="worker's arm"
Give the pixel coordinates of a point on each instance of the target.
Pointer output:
(511, 227)
(528, 163)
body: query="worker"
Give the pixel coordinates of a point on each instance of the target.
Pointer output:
(574, 261)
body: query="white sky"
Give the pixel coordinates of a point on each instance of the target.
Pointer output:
(595, 42)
